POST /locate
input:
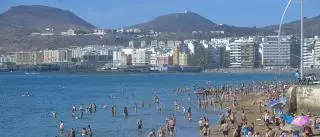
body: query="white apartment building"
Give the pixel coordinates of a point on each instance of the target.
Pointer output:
(275, 53)
(116, 58)
(141, 57)
(308, 53)
(50, 56)
(243, 53)
(317, 53)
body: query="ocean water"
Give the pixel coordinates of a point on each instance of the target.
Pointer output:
(23, 116)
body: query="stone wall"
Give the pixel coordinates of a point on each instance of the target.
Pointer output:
(304, 98)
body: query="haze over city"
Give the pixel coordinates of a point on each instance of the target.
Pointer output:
(122, 13)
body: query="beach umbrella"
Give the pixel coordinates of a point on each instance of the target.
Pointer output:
(300, 121)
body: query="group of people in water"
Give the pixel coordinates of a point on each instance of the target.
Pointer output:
(223, 98)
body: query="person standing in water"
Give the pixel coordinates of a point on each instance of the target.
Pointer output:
(81, 108)
(152, 133)
(139, 125)
(61, 127)
(161, 132)
(90, 133)
(54, 115)
(83, 132)
(125, 111)
(113, 110)
(72, 133)
(189, 114)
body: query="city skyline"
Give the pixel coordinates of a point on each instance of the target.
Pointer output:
(121, 13)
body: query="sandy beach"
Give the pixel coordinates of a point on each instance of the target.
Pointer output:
(253, 114)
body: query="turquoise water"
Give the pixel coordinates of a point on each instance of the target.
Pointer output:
(22, 116)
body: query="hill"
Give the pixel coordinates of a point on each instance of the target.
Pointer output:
(311, 27)
(188, 22)
(177, 22)
(23, 20)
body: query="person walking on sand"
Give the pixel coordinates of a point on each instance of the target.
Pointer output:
(225, 128)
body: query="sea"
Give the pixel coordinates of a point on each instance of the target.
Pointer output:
(31, 116)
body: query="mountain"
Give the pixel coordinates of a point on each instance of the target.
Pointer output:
(188, 22)
(26, 19)
(177, 22)
(311, 27)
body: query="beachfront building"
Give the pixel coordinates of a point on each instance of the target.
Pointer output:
(50, 56)
(28, 58)
(11, 58)
(184, 58)
(164, 59)
(116, 58)
(317, 53)
(275, 53)
(153, 58)
(175, 55)
(243, 53)
(141, 57)
(64, 55)
(308, 53)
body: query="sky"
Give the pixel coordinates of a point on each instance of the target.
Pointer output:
(122, 13)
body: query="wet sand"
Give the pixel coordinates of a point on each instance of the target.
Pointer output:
(252, 112)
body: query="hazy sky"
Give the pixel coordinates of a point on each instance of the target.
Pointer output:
(120, 13)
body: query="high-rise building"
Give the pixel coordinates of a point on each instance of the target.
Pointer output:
(184, 58)
(243, 53)
(308, 53)
(175, 55)
(116, 58)
(275, 53)
(317, 53)
(141, 57)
